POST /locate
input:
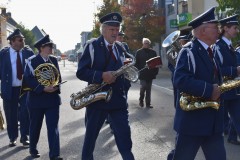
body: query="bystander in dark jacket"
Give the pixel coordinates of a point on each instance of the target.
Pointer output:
(147, 75)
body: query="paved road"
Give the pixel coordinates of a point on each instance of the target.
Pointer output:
(152, 133)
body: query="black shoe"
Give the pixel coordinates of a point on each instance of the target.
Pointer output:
(35, 154)
(24, 142)
(235, 142)
(12, 143)
(56, 158)
(225, 132)
(149, 106)
(141, 104)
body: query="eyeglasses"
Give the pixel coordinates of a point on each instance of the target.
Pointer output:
(20, 40)
(216, 27)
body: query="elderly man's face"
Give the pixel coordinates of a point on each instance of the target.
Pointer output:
(110, 33)
(212, 32)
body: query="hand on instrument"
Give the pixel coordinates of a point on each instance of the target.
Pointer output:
(50, 89)
(215, 93)
(238, 70)
(108, 77)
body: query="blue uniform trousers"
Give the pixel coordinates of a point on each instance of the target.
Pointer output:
(94, 120)
(233, 107)
(24, 118)
(36, 119)
(187, 147)
(11, 113)
(232, 134)
(226, 121)
(11, 109)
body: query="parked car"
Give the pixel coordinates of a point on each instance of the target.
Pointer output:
(71, 57)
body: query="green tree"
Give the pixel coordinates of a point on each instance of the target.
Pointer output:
(28, 35)
(108, 6)
(229, 6)
(142, 19)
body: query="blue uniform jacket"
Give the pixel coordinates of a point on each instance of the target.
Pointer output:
(93, 74)
(228, 61)
(6, 70)
(37, 98)
(194, 75)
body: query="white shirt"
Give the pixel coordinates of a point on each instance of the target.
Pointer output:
(13, 56)
(229, 42)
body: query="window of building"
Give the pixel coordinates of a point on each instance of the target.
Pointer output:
(170, 9)
(184, 7)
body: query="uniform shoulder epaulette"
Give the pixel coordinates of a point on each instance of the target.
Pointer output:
(119, 43)
(187, 45)
(53, 56)
(27, 48)
(30, 58)
(91, 40)
(4, 48)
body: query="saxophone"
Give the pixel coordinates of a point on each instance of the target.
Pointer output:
(92, 94)
(188, 102)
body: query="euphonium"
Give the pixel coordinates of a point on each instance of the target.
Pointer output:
(188, 102)
(89, 94)
(172, 40)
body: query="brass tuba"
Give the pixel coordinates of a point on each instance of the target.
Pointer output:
(172, 40)
(189, 102)
(46, 74)
(92, 94)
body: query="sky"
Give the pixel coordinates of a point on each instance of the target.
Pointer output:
(63, 20)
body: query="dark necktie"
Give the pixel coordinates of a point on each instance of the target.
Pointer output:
(210, 53)
(19, 66)
(111, 52)
(231, 48)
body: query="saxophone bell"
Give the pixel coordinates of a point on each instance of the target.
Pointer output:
(79, 103)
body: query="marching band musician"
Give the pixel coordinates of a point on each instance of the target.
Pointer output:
(43, 100)
(227, 57)
(108, 57)
(12, 62)
(198, 74)
(125, 45)
(120, 39)
(171, 66)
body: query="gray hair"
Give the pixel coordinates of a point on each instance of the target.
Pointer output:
(146, 39)
(102, 27)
